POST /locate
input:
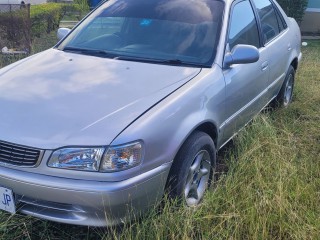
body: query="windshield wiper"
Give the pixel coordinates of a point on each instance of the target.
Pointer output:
(174, 62)
(93, 52)
(137, 59)
(178, 62)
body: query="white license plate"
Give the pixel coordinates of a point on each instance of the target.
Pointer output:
(6, 200)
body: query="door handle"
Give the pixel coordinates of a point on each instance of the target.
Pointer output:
(264, 66)
(289, 47)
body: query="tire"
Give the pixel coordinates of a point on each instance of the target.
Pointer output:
(284, 97)
(192, 169)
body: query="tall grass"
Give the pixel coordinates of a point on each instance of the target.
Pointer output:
(270, 191)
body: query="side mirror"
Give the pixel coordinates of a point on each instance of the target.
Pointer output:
(62, 32)
(241, 54)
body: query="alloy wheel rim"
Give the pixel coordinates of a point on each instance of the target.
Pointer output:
(288, 90)
(198, 178)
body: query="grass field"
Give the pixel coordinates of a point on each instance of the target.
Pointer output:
(270, 191)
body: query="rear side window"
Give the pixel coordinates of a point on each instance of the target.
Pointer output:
(269, 19)
(243, 26)
(281, 21)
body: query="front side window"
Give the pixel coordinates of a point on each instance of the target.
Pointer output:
(174, 31)
(269, 22)
(243, 27)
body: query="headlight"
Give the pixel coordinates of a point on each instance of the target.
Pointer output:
(122, 157)
(91, 159)
(85, 159)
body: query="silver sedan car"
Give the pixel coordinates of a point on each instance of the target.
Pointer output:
(136, 100)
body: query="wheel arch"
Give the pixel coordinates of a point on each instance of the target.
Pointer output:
(205, 127)
(210, 129)
(295, 63)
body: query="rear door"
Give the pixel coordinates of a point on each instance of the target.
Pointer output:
(275, 37)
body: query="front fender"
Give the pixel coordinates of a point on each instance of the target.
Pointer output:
(165, 127)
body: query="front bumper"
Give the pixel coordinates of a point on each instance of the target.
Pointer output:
(82, 202)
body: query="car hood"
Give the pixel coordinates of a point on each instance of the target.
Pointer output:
(56, 99)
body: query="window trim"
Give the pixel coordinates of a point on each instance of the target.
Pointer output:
(284, 23)
(277, 11)
(258, 20)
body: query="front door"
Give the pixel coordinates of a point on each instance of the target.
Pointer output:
(246, 84)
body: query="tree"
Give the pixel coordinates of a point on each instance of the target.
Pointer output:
(294, 8)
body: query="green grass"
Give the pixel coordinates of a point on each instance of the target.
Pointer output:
(270, 191)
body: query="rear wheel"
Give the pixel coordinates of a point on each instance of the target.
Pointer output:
(284, 98)
(192, 169)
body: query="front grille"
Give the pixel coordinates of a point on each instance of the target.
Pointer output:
(18, 155)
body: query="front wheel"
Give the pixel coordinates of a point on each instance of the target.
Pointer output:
(192, 169)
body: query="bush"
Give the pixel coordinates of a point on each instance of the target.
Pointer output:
(46, 17)
(294, 8)
(82, 5)
(14, 29)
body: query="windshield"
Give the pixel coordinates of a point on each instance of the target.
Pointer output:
(168, 31)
